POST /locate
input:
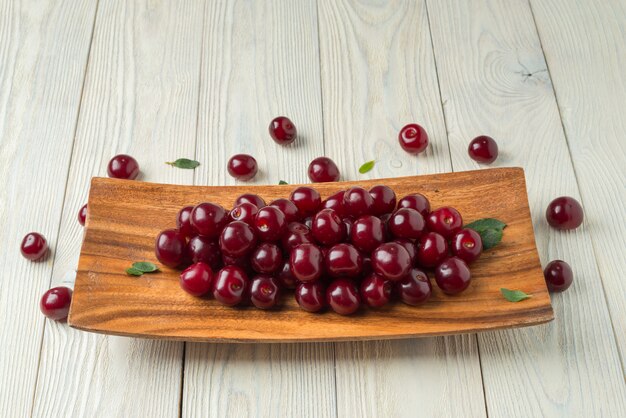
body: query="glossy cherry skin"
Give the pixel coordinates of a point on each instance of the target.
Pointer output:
(282, 130)
(170, 248)
(357, 202)
(306, 262)
(311, 296)
(242, 167)
(558, 275)
(244, 212)
(416, 201)
(183, 222)
(384, 200)
(335, 202)
(255, 199)
(197, 279)
(410, 247)
(467, 245)
(483, 149)
(205, 250)
(327, 227)
(413, 138)
(270, 223)
(406, 223)
(453, 275)
(367, 233)
(446, 221)
(343, 297)
(564, 213)
(266, 258)
(432, 249)
(209, 219)
(287, 207)
(242, 262)
(391, 261)
(367, 266)
(285, 277)
(414, 288)
(264, 291)
(55, 303)
(347, 226)
(343, 260)
(82, 215)
(297, 233)
(237, 239)
(34, 247)
(123, 166)
(375, 290)
(230, 285)
(323, 170)
(307, 200)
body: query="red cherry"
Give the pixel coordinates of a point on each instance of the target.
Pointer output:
(335, 202)
(285, 277)
(558, 275)
(123, 166)
(357, 202)
(255, 199)
(391, 261)
(55, 303)
(311, 296)
(242, 167)
(343, 297)
(343, 260)
(306, 262)
(288, 208)
(413, 138)
(432, 249)
(282, 130)
(270, 223)
(375, 290)
(266, 258)
(244, 212)
(483, 149)
(307, 200)
(453, 276)
(230, 285)
(208, 219)
(446, 221)
(367, 233)
(34, 247)
(564, 213)
(323, 170)
(82, 215)
(327, 227)
(264, 292)
(467, 245)
(416, 201)
(384, 200)
(170, 248)
(406, 223)
(197, 279)
(203, 249)
(415, 288)
(237, 239)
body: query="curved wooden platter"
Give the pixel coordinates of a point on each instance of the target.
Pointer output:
(125, 217)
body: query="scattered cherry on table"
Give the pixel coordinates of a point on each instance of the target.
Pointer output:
(323, 170)
(413, 138)
(123, 166)
(483, 149)
(55, 303)
(282, 130)
(242, 167)
(82, 215)
(564, 213)
(558, 275)
(34, 247)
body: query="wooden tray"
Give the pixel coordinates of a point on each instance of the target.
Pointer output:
(125, 217)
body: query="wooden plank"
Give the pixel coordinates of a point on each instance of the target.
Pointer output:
(494, 81)
(44, 47)
(140, 98)
(260, 61)
(378, 74)
(584, 49)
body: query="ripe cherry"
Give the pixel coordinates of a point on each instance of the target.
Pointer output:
(82, 215)
(483, 149)
(230, 285)
(343, 260)
(237, 239)
(285, 277)
(264, 292)
(197, 279)
(327, 227)
(202, 249)
(288, 208)
(244, 212)
(467, 245)
(123, 166)
(183, 222)
(564, 213)
(307, 200)
(311, 296)
(242, 167)
(296, 234)
(558, 275)
(242, 262)
(270, 223)
(323, 170)
(432, 249)
(406, 223)
(384, 200)
(391, 261)
(416, 201)
(453, 276)
(375, 290)
(414, 288)
(413, 138)
(170, 248)
(343, 297)
(446, 221)
(255, 199)
(282, 130)
(209, 219)
(306, 262)
(266, 258)
(367, 233)
(55, 303)
(34, 247)
(357, 202)
(409, 246)
(335, 202)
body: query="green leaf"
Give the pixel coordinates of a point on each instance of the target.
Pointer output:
(282, 182)
(134, 272)
(490, 238)
(367, 167)
(145, 266)
(514, 295)
(484, 224)
(184, 163)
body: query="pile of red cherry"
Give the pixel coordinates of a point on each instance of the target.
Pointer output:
(355, 248)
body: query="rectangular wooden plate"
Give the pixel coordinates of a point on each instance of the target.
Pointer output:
(125, 217)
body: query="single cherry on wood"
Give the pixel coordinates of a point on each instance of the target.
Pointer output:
(34, 247)
(432, 249)
(453, 275)
(564, 213)
(406, 223)
(270, 223)
(367, 233)
(483, 149)
(123, 166)
(55, 303)
(413, 138)
(242, 167)
(327, 227)
(297, 233)
(282, 130)
(183, 222)
(357, 202)
(266, 258)
(323, 170)
(558, 275)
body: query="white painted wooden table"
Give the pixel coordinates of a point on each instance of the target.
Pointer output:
(83, 80)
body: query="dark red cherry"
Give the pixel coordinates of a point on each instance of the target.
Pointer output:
(82, 215)
(55, 303)
(406, 223)
(347, 226)
(483, 149)
(237, 239)
(311, 296)
(391, 261)
(564, 213)
(242, 167)
(558, 275)
(323, 170)
(270, 223)
(306, 262)
(296, 234)
(413, 138)
(170, 248)
(414, 288)
(384, 200)
(343, 260)
(34, 247)
(288, 208)
(467, 245)
(197, 279)
(367, 233)
(244, 212)
(282, 130)
(416, 201)
(264, 292)
(409, 247)
(285, 277)
(242, 262)
(123, 166)
(375, 290)
(209, 219)
(307, 200)
(183, 222)
(266, 258)
(446, 221)
(432, 249)
(230, 285)
(327, 227)
(335, 202)
(203, 249)
(453, 276)
(343, 297)
(357, 202)
(256, 200)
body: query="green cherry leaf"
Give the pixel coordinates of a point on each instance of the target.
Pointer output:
(282, 182)
(487, 223)
(367, 167)
(514, 295)
(134, 272)
(184, 163)
(145, 266)
(490, 238)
